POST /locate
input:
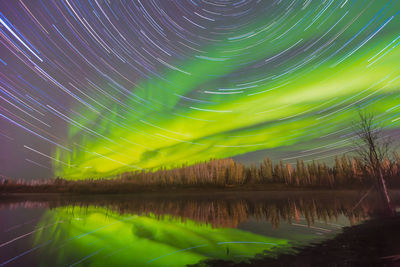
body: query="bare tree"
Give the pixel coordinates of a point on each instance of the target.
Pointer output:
(373, 149)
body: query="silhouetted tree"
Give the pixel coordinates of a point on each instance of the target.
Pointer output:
(373, 149)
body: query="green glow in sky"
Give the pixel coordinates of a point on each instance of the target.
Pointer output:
(278, 82)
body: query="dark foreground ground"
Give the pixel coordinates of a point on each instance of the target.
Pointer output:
(373, 243)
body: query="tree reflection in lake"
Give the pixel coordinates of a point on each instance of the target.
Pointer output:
(160, 230)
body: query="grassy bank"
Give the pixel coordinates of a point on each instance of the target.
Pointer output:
(373, 243)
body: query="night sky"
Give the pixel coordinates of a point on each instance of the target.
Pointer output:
(95, 88)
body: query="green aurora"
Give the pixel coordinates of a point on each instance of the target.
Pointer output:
(278, 82)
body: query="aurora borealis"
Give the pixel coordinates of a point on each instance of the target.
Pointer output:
(96, 88)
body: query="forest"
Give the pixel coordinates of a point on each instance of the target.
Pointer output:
(346, 172)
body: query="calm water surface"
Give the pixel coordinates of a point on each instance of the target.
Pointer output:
(161, 230)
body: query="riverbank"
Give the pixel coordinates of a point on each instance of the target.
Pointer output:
(110, 187)
(192, 193)
(372, 243)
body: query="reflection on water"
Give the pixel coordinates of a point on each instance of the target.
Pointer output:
(154, 230)
(138, 240)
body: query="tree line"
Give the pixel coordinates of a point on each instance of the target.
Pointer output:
(344, 172)
(225, 172)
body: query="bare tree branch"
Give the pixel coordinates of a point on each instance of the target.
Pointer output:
(373, 150)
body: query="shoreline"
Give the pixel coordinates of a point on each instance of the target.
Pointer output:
(95, 189)
(193, 193)
(371, 243)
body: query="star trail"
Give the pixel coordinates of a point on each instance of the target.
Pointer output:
(95, 88)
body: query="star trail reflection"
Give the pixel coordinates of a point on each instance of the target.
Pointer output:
(176, 230)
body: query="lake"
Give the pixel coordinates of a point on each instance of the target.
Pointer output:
(171, 230)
